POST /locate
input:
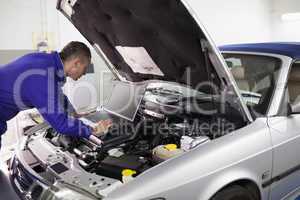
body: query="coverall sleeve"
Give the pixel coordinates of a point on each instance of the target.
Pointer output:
(48, 102)
(69, 108)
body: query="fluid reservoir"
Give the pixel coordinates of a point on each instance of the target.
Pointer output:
(127, 175)
(165, 152)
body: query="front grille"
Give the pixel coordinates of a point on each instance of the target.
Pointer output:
(23, 178)
(24, 183)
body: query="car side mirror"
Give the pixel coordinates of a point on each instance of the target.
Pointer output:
(90, 68)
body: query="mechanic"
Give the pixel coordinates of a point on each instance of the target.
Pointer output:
(36, 80)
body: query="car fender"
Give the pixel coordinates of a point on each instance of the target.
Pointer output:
(228, 177)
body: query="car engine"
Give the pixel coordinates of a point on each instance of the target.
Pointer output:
(164, 127)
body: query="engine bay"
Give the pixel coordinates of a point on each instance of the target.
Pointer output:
(164, 127)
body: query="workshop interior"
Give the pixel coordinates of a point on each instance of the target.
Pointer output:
(179, 99)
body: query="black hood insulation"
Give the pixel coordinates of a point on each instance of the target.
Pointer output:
(164, 28)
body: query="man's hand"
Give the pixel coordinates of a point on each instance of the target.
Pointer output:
(102, 127)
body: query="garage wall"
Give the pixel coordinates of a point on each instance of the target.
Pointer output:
(235, 21)
(14, 32)
(19, 20)
(24, 21)
(285, 30)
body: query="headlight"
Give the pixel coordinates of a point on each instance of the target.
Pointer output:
(61, 191)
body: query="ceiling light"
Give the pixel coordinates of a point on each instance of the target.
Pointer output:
(291, 16)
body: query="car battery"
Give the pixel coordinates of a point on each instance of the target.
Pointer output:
(113, 166)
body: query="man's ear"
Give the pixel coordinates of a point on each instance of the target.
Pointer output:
(77, 61)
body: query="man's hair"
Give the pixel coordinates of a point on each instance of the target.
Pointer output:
(75, 48)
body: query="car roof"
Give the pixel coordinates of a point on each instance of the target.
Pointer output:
(290, 49)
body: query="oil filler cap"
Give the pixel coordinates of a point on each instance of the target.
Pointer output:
(128, 172)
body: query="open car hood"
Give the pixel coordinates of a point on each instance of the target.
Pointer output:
(149, 39)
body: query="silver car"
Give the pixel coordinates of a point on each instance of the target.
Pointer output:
(187, 123)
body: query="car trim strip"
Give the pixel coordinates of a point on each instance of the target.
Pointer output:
(281, 176)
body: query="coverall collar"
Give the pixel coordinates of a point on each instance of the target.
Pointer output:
(60, 74)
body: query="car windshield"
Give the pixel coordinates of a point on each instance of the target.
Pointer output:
(256, 77)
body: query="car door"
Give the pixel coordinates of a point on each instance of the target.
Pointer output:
(285, 133)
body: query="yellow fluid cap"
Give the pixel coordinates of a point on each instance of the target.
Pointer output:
(171, 147)
(128, 172)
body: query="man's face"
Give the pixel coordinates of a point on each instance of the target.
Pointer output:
(78, 67)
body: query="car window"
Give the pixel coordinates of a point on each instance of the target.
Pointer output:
(293, 84)
(256, 77)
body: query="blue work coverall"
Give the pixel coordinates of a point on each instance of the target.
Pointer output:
(35, 80)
